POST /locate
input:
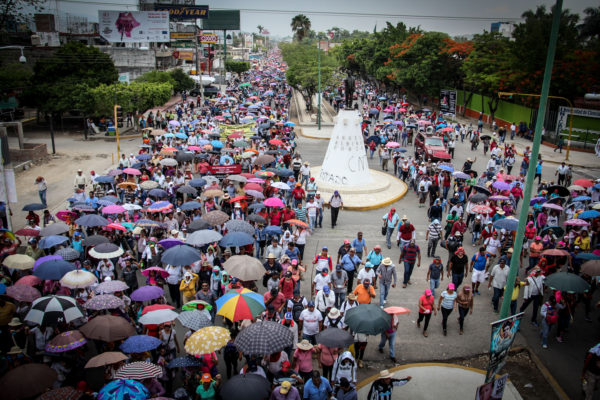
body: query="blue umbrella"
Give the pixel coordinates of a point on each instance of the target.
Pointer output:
(587, 256)
(53, 270)
(140, 344)
(597, 186)
(273, 230)
(256, 206)
(234, 239)
(144, 157)
(284, 172)
(105, 179)
(181, 255)
(589, 214)
(34, 207)
(539, 199)
(159, 206)
(216, 144)
(2, 288)
(112, 199)
(92, 220)
(290, 123)
(121, 389)
(197, 182)
(461, 175)
(185, 361)
(137, 165)
(444, 167)
(42, 260)
(374, 138)
(105, 203)
(169, 135)
(158, 193)
(510, 224)
(190, 205)
(202, 142)
(180, 135)
(582, 198)
(400, 150)
(51, 241)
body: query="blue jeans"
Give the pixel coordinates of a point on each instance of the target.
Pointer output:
(388, 236)
(434, 284)
(384, 290)
(545, 331)
(408, 269)
(390, 338)
(304, 180)
(457, 279)
(475, 237)
(312, 222)
(496, 297)
(513, 307)
(339, 299)
(42, 194)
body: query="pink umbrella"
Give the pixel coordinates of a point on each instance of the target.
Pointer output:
(576, 222)
(274, 202)
(29, 280)
(194, 148)
(481, 209)
(402, 110)
(116, 226)
(113, 209)
(552, 206)
(256, 180)
(132, 171)
(62, 214)
(159, 270)
(392, 144)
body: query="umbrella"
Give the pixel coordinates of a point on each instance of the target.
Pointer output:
(123, 389)
(567, 282)
(106, 251)
(113, 209)
(298, 223)
(181, 255)
(66, 341)
(116, 226)
(51, 310)
(78, 279)
(237, 178)
(28, 232)
(42, 260)
(482, 189)
(240, 304)
(146, 293)
(591, 268)
(27, 381)
(396, 310)
(576, 222)
(185, 361)
(264, 337)
(184, 157)
(562, 191)
(19, 261)
(263, 159)
(156, 307)
(53, 270)
(247, 387)
(132, 171)
(239, 226)
(29, 280)
(111, 287)
(207, 340)
(158, 317)
(190, 205)
(481, 209)
(168, 243)
(197, 182)
(368, 319)
(158, 193)
(586, 183)
(552, 206)
(148, 223)
(112, 199)
(23, 293)
(92, 220)
(83, 207)
(510, 224)
(589, 214)
(582, 198)
(256, 206)
(555, 252)
(485, 137)
(202, 237)
(281, 185)
(149, 185)
(244, 268)
(445, 167)
(198, 224)
(274, 202)
(501, 185)
(272, 230)
(575, 188)
(194, 320)
(256, 194)
(107, 328)
(104, 302)
(499, 198)
(581, 256)
(186, 189)
(555, 229)
(54, 229)
(95, 240)
(257, 218)
(106, 358)
(51, 241)
(235, 239)
(63, 393)
(160, 206)
(334, 337)
(215, 217)
(196, 305)
(158, 270)
(536, 200)
(34, 207)
(140, 344)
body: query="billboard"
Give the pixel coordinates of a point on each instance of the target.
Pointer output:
(209, 38)
(222, 20)
(493, 390)
(134, 26)
(503, 336)
(182, 13)
(448, 101)
(182, 35)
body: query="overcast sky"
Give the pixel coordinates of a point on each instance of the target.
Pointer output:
(455, 17)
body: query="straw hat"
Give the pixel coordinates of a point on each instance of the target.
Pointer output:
(305, 345)
(352, 296)
(15, 322)
(387, 261)
(385, 374)
(334, 313)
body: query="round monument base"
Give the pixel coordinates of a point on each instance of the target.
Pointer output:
(384, 189)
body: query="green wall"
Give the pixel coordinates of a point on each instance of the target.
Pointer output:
(506, 111)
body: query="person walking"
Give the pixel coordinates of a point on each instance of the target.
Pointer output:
(533, 293)
(426, 308)
(435, 274)
(389, 335)
(410, 254)
(498, 277)
(465, 306)
(478, 268)
(383, 386)
(549, 313)
(390, 222)
(458, 266)
(335, 204)
(446, 305)
(433, 234)
(387, 277)
(339, 281)
(42, 188)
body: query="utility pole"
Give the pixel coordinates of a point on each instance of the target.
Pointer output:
(118, 122)
(515, 261)
(5, 162)
(319, 89)
(224, 54)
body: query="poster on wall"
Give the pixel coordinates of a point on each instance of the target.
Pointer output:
(503, 336)
(448, 101)
(134, 26)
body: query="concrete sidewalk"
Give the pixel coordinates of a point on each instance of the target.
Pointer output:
(437, 381)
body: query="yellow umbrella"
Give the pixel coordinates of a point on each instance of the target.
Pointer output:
(19, 261)
(207, 340)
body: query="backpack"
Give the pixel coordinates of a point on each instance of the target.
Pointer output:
(551, 315)
(297, 308)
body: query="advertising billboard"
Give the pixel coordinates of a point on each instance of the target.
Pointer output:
(182, 13)
(134, 26)
(448, 101)
(222, 20)
(209, 38)
(503, 336)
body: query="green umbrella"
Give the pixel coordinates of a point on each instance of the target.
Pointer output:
(368, 319)
(567, 282)
(245, 84)
(241, 143)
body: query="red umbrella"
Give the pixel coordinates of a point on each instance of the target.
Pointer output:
(237, 198)
(155, 307)
(555, 252)
(29, 280)
(27, 232)
(253, 186)
(275, 142)
(584, 183)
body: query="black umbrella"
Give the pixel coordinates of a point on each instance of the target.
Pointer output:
(247, 387)
(485, 137)
(374, 138)
(51, 310)
(257, 218)
(567, 282)
(54, 229)
(187, 189)
(158, 193)
(368, 319)
(34, 207)
(562, 191)
(183, 157)
(95, 240)
(478, 197)
(181, 255)
(92, 220)
(470, 171)
(185, 361)
(334, 337)
(197, 225)
(482, 189)
(264, 337)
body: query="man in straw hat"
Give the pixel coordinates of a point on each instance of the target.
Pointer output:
(383, 386)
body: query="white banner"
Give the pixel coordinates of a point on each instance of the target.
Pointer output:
(563, 113)
(134, 27)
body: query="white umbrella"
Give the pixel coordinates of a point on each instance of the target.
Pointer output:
(106, 251)
(78, 279)
(132, 207)
(158, 317)
(280, 185)
(19, 261)
(169, 162)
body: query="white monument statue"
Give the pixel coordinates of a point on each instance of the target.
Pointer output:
(345, 163)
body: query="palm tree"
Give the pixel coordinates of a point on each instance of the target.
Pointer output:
(300, 26)
(260, 28)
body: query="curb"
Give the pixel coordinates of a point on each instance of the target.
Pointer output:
(386, 203)
(544, 371)
(301, 133)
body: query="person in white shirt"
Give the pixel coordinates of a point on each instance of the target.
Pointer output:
(492, 246)
(274, 249)
(311, 321)
(173, 280)
(311, 209)
(366, 273)
(304, 173)
(499, 275)
(325, 300)
(132, 159)
(321, 280)
(106, 269)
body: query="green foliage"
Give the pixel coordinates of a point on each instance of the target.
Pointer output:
(134, 97)
(237, 66)
(13, 78)
(486, 65)
(16, 11)
(300, 26)
(157, 77)
(182, 80)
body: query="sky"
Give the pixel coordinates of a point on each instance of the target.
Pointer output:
(455, 17)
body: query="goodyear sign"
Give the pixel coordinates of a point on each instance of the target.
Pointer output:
(179, 13)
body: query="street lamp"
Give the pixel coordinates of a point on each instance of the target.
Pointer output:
(500, 94)
(22, 58)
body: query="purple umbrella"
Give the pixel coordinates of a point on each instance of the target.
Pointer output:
(146, 293)
(500, 185)
(24, 293)
(42, 260)
(104, 302)
(255, 193)
(499, 198)
(111, 287)
(537, 200)
(168, 243)
(576, 222)
(114, 172)
(553, 206)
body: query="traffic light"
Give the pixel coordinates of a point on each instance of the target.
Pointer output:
(205, 51)
(119, 116)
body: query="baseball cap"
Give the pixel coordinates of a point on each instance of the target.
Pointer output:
(286, 364)
(311, 304)
(206, 377)
(325, 248)
(285, 387)
(288, 316)
(326, 289)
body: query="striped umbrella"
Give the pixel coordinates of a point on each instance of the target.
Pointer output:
(138, 370)
(240, 304)
(207, 340)
(51, 310)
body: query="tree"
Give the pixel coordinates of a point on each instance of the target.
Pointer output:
(182, 80)
(58, 81)
(589, 29)
(238, 67)
(300, 26)
(14, 78)
(134, 97)
(156, 77)
(16, 11)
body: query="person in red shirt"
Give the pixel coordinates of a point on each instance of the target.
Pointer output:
(288, 214)
(276, 216)
(459, 226)
(405, 232)
(299, 194)
(517, 193)
(287, 285)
